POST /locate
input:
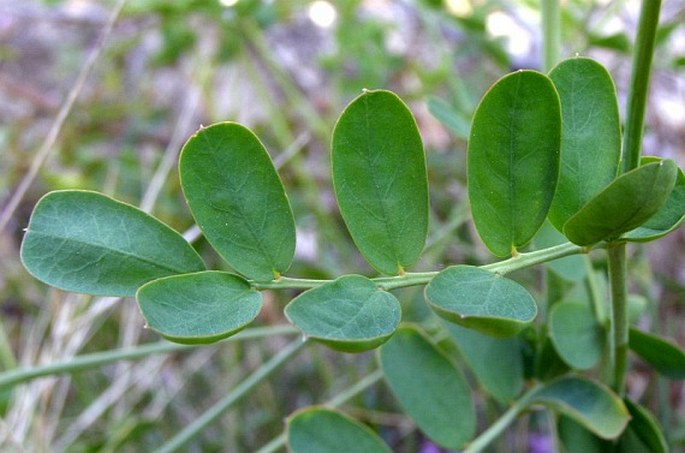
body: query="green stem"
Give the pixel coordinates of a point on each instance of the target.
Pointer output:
(246, 385)
(639, 82)
(497, 428)
(87, 361)
(551, 33)
(520, 261)
(619, 304)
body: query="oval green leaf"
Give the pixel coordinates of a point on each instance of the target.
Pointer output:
(238, 200)
(481, 300)
(320, 430)
(497, 363)
(576, 335)
(429, 387)
(668, 218)
(513, 159)
(589, 403)
(643, 432)
(624, 205)
(666, 358)
(591, 135)
(198, 308)
(380, 182)
(87, 242)
(350, 314)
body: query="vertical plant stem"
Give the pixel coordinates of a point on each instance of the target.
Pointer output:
(639, 82)
(632, 145)
(619, 304)
(551, 33)
(245, 386)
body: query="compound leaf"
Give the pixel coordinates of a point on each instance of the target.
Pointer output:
(320, 430)
(89, 243)
(238, 200)
(587, 402)
(380, 182)
(481, 300)
(350, 314)
(432, 391)
(513, 159)
(623, 205)
(203, 307)
(591, 138)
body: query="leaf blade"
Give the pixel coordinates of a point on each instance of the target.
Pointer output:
(238, 200)
(623, 205)
(480, 300)
(513, 159)
(587, 402)
(349, 314)
(666, 358)
(380, 182)
(320, 430)
(668, 218)
(87, 242)
(591, 138)
(432, 391)
(497, 363)
(575, 334)
(198, 308)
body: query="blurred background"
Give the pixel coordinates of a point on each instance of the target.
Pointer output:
(145, 74)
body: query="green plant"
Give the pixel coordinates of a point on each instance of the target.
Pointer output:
(541, 146)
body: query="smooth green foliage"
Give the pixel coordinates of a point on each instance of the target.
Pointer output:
(431, 390)
(87, 242)
(587, 402)
(203, 307)
(591, 137)
(513, 159)
(665, 357)
(238, 200)
(576, 335)
(668, 218)
(481, 300)
(625, 204)
(380, 182)
(497, 363)
(350, 314)
(643, 433)
(319, 430)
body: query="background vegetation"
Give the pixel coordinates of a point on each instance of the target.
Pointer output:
(145, 76)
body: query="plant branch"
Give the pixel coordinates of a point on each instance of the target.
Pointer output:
(619, 304)
(246, 385)
(520, 261)
(639, 83)
(87, 361)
